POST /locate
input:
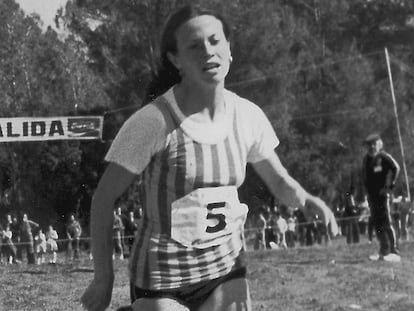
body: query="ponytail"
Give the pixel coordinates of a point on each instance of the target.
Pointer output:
(162, 80)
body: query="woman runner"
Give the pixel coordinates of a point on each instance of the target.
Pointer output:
(191, 144)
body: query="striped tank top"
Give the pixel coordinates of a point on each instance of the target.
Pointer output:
(182, 160)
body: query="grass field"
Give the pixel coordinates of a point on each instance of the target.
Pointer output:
(334, 278)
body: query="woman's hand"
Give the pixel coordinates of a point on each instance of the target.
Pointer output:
(97, 296)
(315, 206)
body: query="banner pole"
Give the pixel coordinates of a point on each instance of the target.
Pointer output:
(398, 123)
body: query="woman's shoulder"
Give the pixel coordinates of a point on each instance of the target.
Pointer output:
(151, 112)
(154, 115)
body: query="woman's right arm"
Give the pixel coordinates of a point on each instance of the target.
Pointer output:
(113, 184)
(140, 137)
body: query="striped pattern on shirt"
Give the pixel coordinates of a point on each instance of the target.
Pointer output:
(182, 165)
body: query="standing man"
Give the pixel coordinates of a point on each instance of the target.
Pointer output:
(379, 174)
(73, 233)
(26, 235)
(261, 231)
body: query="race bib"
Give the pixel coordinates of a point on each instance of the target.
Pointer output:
(207, 217)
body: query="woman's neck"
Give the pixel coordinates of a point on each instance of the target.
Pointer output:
(206, 102)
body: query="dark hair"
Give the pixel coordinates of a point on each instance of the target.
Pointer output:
(167, 75)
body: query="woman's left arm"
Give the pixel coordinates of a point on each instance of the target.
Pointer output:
(291, 193)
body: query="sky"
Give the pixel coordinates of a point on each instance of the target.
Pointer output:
(45, 8)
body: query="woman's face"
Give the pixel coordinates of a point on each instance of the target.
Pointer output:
(203, 52)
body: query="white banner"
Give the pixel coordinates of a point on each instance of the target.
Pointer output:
(50, 128)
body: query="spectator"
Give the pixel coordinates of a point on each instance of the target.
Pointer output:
(261, 231)
(7, 247)
(73, 233)
(270, 232)
(9, 220)
(26, 231)
(339, 212)
(395, 208)
(302, 226)
(118, 229)
(51, 244)
(379, 174)
(312, 232)
(131, 227)
(15, 229)
(351, 214)
(363, 216)
(406, 208)
(120, 210)
(281, 228)
(321, 232)
(40, 243)
(9, 250)
(291, 231)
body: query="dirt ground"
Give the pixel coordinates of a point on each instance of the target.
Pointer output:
(333, 278)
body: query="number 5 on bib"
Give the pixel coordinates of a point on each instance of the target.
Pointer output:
(207, 217)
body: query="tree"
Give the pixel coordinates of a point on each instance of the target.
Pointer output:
(41, 76)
